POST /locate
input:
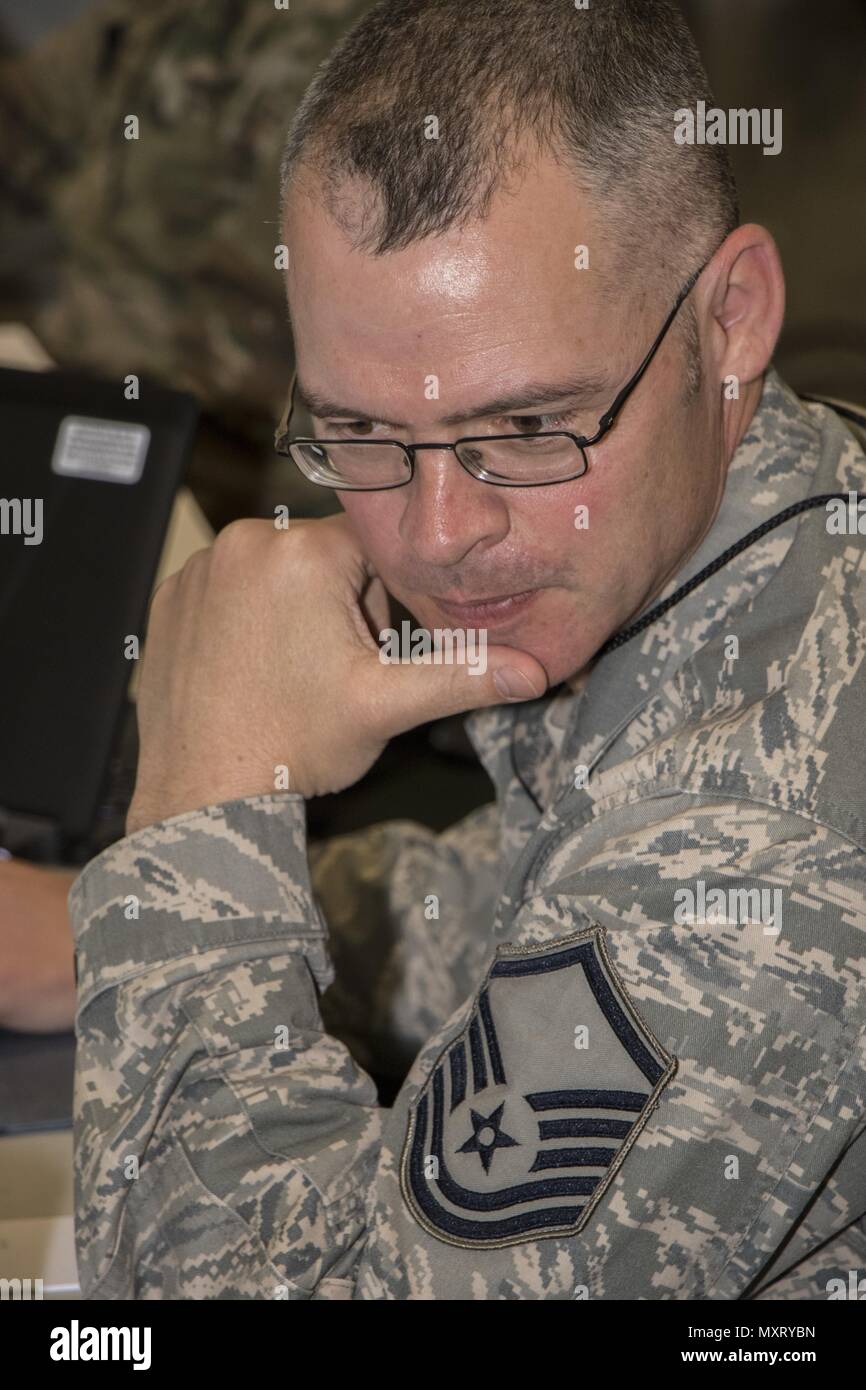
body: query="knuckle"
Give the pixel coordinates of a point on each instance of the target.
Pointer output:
(302, 536)
(243, 545)
(306, 550)
(236, 536)
(235, 530)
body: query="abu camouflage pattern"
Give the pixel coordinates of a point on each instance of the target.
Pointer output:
(540, 1186)
(226, 1034)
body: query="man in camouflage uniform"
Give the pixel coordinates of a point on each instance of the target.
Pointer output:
(622, 1075)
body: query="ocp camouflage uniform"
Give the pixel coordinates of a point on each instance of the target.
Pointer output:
(609, 1095)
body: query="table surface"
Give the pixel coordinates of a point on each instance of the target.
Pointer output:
(37, 1236)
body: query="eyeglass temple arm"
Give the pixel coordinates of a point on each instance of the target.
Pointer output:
(610, 415)
(283, 427)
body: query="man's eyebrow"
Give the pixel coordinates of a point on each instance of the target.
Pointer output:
(576, 390)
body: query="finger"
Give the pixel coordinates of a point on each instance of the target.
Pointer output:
(346, 554)
(376, 607)
(411, 693)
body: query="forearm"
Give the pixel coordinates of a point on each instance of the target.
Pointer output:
(37, 985)
(224, 1143)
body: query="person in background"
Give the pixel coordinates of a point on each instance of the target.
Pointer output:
(37, 984)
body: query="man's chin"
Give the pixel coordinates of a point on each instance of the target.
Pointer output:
(535, 631)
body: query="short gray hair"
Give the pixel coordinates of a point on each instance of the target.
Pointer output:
(597, 88)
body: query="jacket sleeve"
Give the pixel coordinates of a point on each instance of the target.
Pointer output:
(226, 1142)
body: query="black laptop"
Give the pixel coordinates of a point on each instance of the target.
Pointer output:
(87, 482)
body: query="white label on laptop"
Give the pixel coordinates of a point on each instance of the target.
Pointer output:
(108, 451)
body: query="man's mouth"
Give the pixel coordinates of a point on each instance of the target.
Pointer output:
(487, 612)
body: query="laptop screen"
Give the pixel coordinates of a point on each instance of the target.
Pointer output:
(87, 481)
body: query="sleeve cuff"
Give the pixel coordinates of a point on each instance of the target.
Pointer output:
(234, 873)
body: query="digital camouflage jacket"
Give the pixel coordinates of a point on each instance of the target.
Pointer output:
(628, 1000)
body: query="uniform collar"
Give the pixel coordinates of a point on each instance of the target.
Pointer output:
(542, 742)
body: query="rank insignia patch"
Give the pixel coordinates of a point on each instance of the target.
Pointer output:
(526, 1117)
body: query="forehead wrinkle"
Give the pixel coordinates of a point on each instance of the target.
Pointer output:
(577, 389)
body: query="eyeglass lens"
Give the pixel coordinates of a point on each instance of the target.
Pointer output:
(522, 459)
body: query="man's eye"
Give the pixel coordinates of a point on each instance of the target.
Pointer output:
(538, 424)
(337, 429)
(507, 424)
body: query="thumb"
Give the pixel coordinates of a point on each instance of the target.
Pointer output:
(515, 675)
(418, 693)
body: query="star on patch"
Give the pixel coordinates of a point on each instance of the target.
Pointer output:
(487, 1136)
(573, 1116)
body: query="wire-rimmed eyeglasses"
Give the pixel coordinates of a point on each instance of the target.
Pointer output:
(504, 460)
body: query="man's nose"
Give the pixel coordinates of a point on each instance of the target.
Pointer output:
(448, 512)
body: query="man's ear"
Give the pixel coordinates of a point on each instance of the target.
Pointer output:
(748, 303)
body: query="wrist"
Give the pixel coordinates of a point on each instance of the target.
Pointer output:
(148, 809)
